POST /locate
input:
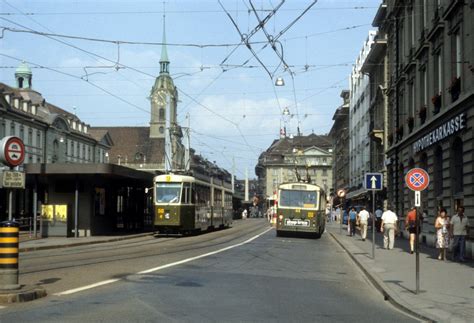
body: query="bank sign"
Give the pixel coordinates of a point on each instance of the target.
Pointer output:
(447, 129)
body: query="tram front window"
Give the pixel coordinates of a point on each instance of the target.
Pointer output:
(293, 198)
(168, 193)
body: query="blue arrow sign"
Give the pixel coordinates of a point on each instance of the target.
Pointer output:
(373, 181)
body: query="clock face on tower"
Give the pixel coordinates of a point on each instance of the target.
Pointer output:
(159, 98)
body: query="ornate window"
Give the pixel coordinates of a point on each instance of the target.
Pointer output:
(12, 128)
(30, 137)
(161, 114)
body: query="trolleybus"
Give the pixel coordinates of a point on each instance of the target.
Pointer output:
(301, 208)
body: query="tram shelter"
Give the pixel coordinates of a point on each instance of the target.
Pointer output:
(89, 199)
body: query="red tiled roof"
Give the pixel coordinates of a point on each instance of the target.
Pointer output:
(131, 143)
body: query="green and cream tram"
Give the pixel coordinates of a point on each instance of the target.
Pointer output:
(186, 204)
(301, 208)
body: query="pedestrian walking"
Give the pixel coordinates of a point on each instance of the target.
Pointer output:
(410, 226)
(363, 219)
(442, 233)
(378, 218)
(244, 214)
(352, 221)
(459, 231)
(388, 226)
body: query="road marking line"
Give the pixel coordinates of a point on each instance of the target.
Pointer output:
(202, 256)
(2, 307)
(105, 282)
(80, 289)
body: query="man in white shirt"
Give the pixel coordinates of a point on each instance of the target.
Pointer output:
(388, 227)
(459, 230)
(363, 219)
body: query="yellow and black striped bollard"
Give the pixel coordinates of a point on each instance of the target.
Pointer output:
(9, 240)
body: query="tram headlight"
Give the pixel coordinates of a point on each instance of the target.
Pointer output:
(280, 217)
(167, 216)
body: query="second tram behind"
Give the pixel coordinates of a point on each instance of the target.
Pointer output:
(301, 208)
(186, 204)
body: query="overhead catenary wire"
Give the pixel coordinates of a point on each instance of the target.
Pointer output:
(151, 12)
(205, 90)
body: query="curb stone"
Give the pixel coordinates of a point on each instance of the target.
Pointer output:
(24, 294)
(72, 244)
(380, 286)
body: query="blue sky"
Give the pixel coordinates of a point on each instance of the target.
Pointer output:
(234, 110)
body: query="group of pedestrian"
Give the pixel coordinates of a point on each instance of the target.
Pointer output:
(455, 229)
(450, 232)
(360, 219)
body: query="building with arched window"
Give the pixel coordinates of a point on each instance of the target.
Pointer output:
(430, 96)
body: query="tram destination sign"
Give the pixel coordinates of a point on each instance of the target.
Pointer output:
(445, 130)
(12, 179)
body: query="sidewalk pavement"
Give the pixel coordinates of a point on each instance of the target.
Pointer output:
(446, 287)
(31, 244)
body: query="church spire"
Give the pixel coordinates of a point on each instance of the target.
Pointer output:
(164, 61)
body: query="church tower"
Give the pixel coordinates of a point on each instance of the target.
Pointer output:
(23, 76)
(164, 96)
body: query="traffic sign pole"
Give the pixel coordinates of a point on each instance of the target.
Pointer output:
(417, 251)
(417, 179)
(10, 204)
(373, 224)
(373, 182)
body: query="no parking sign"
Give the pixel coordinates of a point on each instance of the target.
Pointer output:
(417, 179)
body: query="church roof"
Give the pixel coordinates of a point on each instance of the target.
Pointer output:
(134, 145)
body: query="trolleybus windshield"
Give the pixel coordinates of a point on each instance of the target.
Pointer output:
(168, 192)
(295, 198)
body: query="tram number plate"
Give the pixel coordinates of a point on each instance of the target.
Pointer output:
(297, 223)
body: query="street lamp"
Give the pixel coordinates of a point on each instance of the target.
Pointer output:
(280, 81)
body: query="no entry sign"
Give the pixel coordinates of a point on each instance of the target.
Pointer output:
(12, 151)
(417, 179)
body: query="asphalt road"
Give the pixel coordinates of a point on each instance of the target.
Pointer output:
(267, 279)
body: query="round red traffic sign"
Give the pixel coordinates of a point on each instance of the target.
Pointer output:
(417, 179)
(12, 151)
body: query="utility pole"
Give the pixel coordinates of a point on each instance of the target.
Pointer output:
(187, 151)
(246, 184)
(233, 174)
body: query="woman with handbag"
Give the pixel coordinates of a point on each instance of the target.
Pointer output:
(442, 233)
(410, 226)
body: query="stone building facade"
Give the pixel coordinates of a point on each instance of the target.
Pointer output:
(340, 141)
(306, 157)
(51, 135)
(359, 122)
(430, 97)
